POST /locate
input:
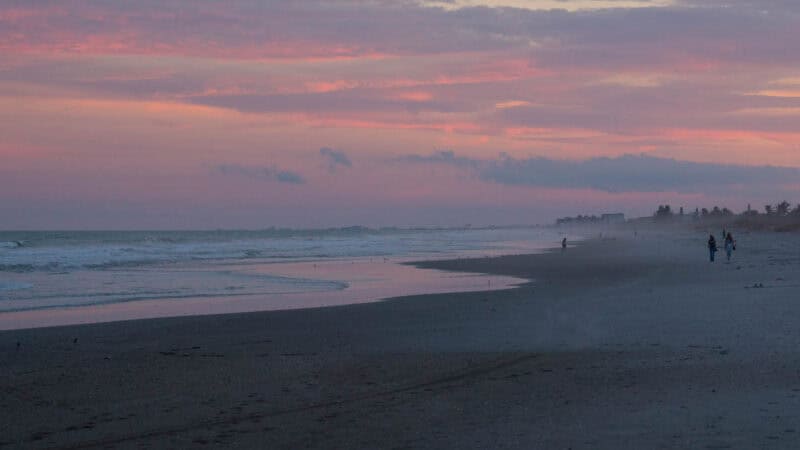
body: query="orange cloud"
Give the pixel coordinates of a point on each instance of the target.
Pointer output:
(739, 136)
(511, 104)
(354, 122)
(786, 93)
(330, 86)
(133, 42)
(413, 96)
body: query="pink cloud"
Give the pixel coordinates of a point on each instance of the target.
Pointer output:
(104, 101)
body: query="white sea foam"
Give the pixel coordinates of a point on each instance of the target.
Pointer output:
(11, 244)
(14, 286)
(83, 251)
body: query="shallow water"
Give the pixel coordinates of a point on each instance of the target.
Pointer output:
(64, 278)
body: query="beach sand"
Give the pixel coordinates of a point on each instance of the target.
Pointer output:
(617, 343)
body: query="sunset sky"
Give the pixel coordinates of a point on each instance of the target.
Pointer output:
(312, 113)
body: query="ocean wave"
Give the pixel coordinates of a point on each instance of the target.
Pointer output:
(12, 244)
(124, 264)
(107, 250)
(14, 286)
(23, 268)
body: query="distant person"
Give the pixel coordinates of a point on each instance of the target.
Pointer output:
(730, 245)
(563, 244)
(712, 247)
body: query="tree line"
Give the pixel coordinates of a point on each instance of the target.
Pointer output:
(782, 209)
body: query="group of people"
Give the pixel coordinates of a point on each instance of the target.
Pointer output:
(730, 245)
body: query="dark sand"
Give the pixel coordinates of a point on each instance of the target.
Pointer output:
(637, 343)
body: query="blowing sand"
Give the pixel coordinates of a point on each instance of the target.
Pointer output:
(618, 343)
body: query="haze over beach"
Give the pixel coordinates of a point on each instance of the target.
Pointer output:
(400, 224)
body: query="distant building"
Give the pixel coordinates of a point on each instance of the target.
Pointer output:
(613, 218)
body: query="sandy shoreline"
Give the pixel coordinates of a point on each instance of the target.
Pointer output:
(623, 343)
(355, 281)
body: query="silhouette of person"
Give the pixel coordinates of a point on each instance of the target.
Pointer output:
(712, 247)
(563, 244)
(730, 245)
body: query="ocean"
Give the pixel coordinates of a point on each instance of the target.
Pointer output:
(60, 278)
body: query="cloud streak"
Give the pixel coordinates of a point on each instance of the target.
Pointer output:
(627, 173)
(262, 173)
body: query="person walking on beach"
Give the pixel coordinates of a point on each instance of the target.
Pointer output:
(712, 247)
(563, 244)
(730, 245)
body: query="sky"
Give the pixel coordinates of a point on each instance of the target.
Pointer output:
(166, 114)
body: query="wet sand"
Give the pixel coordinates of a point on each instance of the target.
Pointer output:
(618, 343)
(338, 282)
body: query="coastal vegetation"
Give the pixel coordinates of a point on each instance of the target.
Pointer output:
(781, 216)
